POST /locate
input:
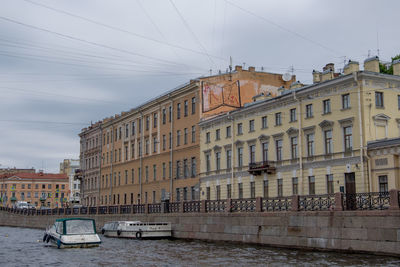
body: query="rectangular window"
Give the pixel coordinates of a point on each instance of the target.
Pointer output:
(328, 142)
(164, 142)
(154, 172)
(126, 153)
(398, 101)
(348, 138)
(293, 141)
(208, 137)
(326, 106)
(345, 101)
(193, 133)
(310, 144)
(185, 193)
(208, 163)
(164, 116)
(208, 193)
(146, 174)
(185, 136)
(240, 156)
(265, 151)
(252, 154)
(133, 176)
(132, 151)
(155, 144)
(379, 99)
(164, 170)
(193, 167)
(185, 108)
(229, 159)
(264, 122)
(178, 138)
(126, 131)
(252, 189)
(218, 192)
(170, 140)
(193, 105)
(146, 148)
(278, 144)
(147, 123)
(239, 128)
(133, 127)
(295, 187)
(217, 134)
(293, 115)
(240, 190)
(170, 113)
(218, 161)
(228, 131)
(383, 183)
(178, 111)
(311, 185)
(185, 169)
(280, 187)
(178, 169)
(329, 183)
(140, 175)
(228, 191)
(140, 125)
(193, 193)
(265, 189)
(309, 111)
(278, 118)
(120, 133)
(251, 126)
(155, 120)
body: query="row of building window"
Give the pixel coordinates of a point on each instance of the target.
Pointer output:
(108, 137)
(28, 186)
(184, 169)
(108, 157)
(310, 145)
(90, 143)
(35, 194)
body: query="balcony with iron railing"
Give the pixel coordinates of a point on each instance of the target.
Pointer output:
(257, 168)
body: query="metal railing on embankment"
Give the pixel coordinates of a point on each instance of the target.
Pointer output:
(326, 202)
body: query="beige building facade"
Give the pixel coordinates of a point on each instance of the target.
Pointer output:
(152, 152)
(307, 140)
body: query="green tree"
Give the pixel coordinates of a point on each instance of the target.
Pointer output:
(383, 69)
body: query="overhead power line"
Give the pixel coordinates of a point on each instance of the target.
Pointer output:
(283, 28)
(87, 42)
(191, 31)
(122, 30)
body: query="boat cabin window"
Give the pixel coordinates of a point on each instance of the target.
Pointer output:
(59, 227)
(79, 227)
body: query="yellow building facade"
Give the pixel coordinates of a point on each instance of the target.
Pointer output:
(307, 140)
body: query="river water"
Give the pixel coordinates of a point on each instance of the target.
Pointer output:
(23, 247)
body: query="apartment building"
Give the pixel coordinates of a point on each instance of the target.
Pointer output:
(90, 161)
(68, 167)
(310, 139)
(39, 189)
(152, 152)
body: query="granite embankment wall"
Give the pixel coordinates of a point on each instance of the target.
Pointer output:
(375, 232)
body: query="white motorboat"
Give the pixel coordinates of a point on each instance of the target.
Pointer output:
(137, 229)
(72, 232)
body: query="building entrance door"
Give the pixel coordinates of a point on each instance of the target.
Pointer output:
(350, 190)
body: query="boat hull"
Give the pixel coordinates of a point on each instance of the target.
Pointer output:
(134, 234)
(75, 241)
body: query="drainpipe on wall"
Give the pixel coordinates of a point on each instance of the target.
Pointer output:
(300, 145)
(111, 167)
(171, 155)
(141, 154)
(361, 129)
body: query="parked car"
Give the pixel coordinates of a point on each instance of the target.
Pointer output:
(44, 208)
(24, 205)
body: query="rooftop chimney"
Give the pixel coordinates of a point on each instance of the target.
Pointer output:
(238, 68)
(327, 75)
(396, 67)
(329, 66)
(371, 64)
(352, 66)
(316, 76)
(295, 85)
(252, 69)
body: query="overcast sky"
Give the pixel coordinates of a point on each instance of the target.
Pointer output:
(66, 63)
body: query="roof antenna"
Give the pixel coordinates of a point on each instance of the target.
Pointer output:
(230, 68)
(377, 41)
(210, 72)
